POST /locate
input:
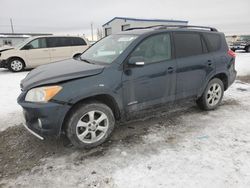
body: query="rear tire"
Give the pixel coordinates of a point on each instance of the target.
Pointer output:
(212, 96)
(89, 125)
(248, 49)
(16, 65)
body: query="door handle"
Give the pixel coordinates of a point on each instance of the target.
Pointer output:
(170, 69)
(209, 62)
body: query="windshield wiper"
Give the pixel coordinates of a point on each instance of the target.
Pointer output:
(85, 60)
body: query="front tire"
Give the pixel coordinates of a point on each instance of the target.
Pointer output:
(212, 96)
(16, 65)
(89, 125)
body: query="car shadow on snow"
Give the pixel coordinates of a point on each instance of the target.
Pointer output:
(6, 71)
(20, 151)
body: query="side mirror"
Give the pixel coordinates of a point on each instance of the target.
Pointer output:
(27, 47)
(136, 61)
(77, 56)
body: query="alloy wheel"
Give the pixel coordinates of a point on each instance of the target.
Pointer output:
(92, 127)
(214, 94)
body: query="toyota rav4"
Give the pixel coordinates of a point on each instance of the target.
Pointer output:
(125, 73)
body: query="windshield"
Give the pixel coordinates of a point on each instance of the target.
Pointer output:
(20, 44)
(108, 49)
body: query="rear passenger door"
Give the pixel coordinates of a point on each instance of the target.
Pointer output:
(194, 63)
(60, 48)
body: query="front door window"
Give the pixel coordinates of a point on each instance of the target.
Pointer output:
(154, 49)
(37, 43)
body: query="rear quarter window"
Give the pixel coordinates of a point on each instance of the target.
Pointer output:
(213, 41)
(76, 41)
(187, 44)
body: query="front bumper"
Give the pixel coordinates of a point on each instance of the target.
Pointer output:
(3, 64)
(43, 119)
(32, 132)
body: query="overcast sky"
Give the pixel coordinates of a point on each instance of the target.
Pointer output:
(75, 16)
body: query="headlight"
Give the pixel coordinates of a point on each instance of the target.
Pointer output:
(42, 94)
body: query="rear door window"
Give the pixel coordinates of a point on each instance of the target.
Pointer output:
(65, 41)
(54, 42)
(213, 40)
(187, 44)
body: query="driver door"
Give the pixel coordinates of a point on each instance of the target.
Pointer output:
(37, 53)
(152, 80)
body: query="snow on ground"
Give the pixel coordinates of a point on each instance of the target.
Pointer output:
(183, 148)
(243, 63)
(10, 111)
(190, 148)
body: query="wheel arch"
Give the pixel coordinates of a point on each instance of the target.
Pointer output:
(103, 98)
(16, 57)
(222, 76)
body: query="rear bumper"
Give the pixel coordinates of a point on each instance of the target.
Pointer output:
(3, 64)
(232, 75)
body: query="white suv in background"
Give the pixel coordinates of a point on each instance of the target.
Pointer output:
(41, 50)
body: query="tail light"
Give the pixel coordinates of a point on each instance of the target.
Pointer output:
(231, 53)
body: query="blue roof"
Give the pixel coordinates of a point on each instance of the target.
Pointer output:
(145, 20)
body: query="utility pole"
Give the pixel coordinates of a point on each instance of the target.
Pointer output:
(92, 35)
(12, 28)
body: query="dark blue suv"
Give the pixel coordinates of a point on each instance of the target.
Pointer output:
(125, 73)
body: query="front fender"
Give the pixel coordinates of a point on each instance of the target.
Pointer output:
(79, 89)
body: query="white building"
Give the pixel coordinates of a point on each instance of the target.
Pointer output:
(118, 24)
(12, 39)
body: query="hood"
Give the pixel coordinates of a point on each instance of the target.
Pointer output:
(59, 72)
(5, 48)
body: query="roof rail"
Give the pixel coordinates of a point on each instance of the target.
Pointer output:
(189, 26)
(148, 27)
(173, 26)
